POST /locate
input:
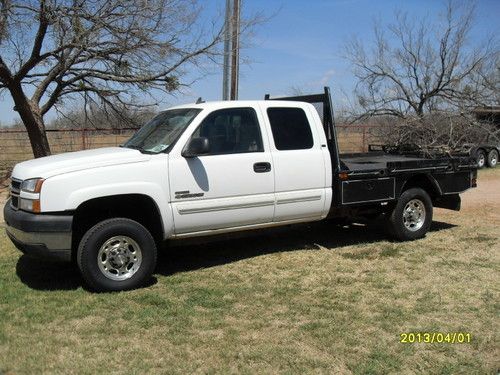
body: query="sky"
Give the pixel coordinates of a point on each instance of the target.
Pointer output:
(300, 45)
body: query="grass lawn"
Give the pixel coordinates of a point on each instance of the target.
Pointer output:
(309, 298)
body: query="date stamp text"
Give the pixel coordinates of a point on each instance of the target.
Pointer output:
(435, 337)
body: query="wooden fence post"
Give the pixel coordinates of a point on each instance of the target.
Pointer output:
(364, 139)
(83, 140)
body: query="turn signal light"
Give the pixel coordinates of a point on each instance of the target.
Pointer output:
(343, 176)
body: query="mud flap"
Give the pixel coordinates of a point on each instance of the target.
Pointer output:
(450, 202)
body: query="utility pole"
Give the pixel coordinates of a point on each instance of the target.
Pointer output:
(227, 51)
(231, 50)
(235, 63)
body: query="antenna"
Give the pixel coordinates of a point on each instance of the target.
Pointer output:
(200, 100)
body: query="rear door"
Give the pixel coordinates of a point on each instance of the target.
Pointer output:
(299, 163)
(232, 186)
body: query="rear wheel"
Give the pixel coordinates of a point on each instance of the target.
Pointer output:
(481, 158)
(411, 218)
(116, 254)
(492, 159)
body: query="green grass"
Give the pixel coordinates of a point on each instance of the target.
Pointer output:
(307, 299)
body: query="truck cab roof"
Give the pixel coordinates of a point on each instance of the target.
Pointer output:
(223, 104)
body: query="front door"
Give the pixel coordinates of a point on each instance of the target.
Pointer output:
(232, 185)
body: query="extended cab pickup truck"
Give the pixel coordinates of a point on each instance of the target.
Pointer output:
(210, 168)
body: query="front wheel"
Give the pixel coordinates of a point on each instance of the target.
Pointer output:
(116, 254)
(411, 218)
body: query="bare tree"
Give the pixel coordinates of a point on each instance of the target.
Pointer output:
(439, 130)
(97, 117)
(110, 51)
(416, 68)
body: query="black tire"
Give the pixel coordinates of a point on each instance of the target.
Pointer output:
(398, 224)
(135, 247)
(480, 158)
(492, 159)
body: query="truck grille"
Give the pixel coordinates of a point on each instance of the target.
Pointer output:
(15, 188)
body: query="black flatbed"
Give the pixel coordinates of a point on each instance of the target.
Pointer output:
(377, 160)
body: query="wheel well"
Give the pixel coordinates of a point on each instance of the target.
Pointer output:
(138, 207)
(424, 182)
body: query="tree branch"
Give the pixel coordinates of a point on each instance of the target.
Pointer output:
(5, 74)
(35, 57)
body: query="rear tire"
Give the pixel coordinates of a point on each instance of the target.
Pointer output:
(480, 159)
(116, 254)
(411, 218)
(492, 159)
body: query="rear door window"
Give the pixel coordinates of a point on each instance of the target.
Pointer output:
(290, 128)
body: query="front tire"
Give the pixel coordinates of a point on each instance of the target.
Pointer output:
(492, 159)
(411, 218)
(116, 254)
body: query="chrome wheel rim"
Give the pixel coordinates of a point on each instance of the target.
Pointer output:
(494, 159)
(119, 258)
(414, 215)
(481, 159)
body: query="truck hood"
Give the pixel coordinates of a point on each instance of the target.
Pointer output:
(76, 161)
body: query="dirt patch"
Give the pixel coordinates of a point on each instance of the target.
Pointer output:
(485, 199)
(487, 191)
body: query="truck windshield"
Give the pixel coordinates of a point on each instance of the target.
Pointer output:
(162, 131)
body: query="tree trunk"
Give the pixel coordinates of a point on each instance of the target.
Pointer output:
(32, 120)
(420, 109)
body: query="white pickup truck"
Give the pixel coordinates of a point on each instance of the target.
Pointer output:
(209, 168)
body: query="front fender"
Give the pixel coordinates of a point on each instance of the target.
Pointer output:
(77, 197)
(66, 192)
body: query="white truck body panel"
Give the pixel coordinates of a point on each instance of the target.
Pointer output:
(233, 194)
(215, 193)
(67, 191)
(77, 161)
(300, 175)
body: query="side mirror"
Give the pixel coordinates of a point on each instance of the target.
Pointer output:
(195, 147)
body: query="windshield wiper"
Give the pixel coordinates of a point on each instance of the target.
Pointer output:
(139, 148)
(133, 147)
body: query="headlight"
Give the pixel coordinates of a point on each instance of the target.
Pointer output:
(30, 194)
(33, 185)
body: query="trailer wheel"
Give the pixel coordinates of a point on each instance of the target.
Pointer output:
(492, 159)
(411, 218)
(480, 158)
(116, 254)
